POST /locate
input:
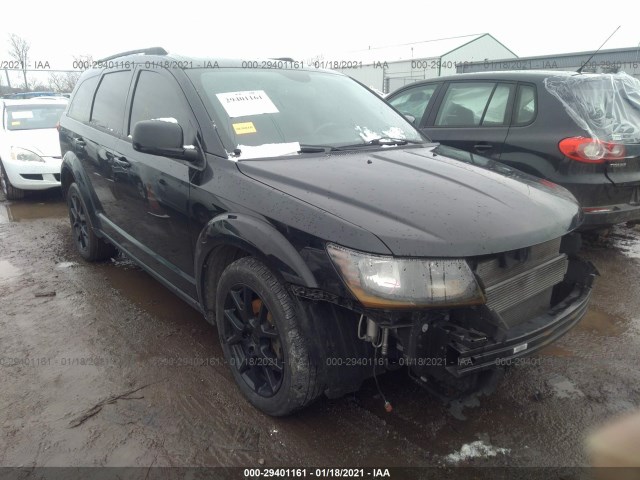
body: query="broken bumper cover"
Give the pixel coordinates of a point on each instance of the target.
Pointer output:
(520, 340)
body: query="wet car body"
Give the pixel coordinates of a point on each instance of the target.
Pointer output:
(525, 118)
(299, 214)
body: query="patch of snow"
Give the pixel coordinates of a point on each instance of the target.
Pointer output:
(366, 134)
(66, 264)
(477, 449)
(394, 132)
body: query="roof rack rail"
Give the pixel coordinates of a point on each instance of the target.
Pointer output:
(146, 51)
(283, 59)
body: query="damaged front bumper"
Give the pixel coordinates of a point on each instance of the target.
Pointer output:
(469, 355)
(480, 341)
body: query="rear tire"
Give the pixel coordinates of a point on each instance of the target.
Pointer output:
(262, 339)
(10, 192)
(89, 245)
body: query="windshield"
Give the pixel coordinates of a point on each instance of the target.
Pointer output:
(31, 117)
(265, 113)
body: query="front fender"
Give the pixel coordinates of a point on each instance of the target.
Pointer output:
(257, 237)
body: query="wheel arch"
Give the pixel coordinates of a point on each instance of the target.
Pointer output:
(71, 171)
(229, 237)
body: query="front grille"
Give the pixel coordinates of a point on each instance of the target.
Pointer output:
(31, 176)
(520, 289)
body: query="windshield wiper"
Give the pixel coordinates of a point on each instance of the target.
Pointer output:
(383, 141)
(318, 149)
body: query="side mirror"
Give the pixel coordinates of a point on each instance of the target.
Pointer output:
(162, 137)
(410, 117)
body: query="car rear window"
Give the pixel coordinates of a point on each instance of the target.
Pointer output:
(32, 117)
(607, 106)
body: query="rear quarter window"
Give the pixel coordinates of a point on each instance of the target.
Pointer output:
(526, 105)
(80, 108)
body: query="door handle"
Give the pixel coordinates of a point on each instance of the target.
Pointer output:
(122, 162)
(481, 147)
(162, 181)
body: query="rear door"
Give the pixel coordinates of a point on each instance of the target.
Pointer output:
(473, 116)
(96, 120)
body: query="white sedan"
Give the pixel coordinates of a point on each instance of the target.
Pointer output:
(30, 156)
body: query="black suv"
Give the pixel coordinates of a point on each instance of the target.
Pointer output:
(326, 238)
(581, 131)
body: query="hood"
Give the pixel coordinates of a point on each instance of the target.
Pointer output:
(422, 202)
(45, 141)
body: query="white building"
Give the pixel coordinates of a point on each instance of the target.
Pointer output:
(389, 68)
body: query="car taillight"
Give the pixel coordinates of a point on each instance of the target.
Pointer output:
(589, 150)
(58, 126)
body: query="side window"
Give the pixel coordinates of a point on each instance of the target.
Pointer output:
(157, 96)
(80, 107)
(497, 110)
(525, 105)
(464, 104)
(108, 106)
(414, 101)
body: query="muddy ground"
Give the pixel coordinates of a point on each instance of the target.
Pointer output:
(101, 365)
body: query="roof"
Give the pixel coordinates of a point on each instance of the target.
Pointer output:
(435, 48)
(35, 101)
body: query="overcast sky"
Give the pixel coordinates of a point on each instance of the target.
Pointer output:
(59, 30)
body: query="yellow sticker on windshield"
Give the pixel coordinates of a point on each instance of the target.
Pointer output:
(15, 124)
(244, 127)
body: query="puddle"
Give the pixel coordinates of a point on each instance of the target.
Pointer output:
(8, 271)
(19, 211)
(600, 323)
(554, 350)
(627, 240)
(142, 289)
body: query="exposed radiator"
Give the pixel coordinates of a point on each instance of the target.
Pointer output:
(527, 283)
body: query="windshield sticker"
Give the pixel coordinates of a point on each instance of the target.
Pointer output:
(250, 102)
(22, 114)
(268, 150)
(245, 127)
(15, 124)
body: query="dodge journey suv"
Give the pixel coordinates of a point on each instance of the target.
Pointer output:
(325, 237)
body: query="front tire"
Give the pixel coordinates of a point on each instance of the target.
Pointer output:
(10, 192)
(89, 245)
(262, 339)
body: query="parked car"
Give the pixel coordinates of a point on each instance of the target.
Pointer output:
(326, 238)
(581, 131)
(30, 155)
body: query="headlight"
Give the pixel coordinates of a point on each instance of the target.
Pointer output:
(25, 155)
(387, 282)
